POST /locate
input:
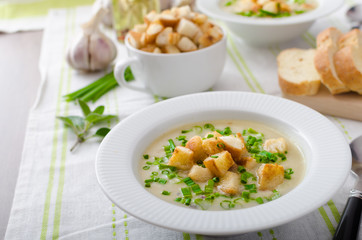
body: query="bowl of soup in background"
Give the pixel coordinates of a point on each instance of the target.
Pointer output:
(266, 30)
(325, 151)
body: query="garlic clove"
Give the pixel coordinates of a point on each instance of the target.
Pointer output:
(78, 54)
(103, 51)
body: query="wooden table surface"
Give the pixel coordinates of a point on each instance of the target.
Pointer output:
(19, 82)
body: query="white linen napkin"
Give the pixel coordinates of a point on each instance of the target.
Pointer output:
(57, 195)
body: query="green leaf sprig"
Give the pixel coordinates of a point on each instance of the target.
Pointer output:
(81, 125)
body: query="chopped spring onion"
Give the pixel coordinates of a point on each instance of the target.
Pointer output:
(209, 188)
(186, 192)
(209, 126)
(188, 181)
(227, 204)
(259, 200)
(166, 193)
(162, 181)
(196, 189)
(146, 167)
(216, 179)
(214, 156)
(146, 156)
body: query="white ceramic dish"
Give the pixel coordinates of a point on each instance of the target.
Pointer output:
(266, 31)
(327, 157)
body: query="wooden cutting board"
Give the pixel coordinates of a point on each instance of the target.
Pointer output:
(346, 105)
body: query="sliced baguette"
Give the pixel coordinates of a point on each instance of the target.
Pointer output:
(348, 60)
(297, 73)
(327, 46)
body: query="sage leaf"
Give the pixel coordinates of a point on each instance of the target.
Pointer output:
(102, 132)
(99, 110)
(85, 108)
(96, 118)
(75, 122)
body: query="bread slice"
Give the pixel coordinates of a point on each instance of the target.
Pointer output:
(327, 46)
(348, 60)
(297, 73)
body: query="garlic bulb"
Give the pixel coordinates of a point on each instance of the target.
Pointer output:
(92, 50)
(107, 19)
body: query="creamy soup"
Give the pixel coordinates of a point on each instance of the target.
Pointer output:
(221, 165)
(268, 8)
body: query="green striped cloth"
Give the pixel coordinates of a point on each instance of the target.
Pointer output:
(27, 15)
(57, 194)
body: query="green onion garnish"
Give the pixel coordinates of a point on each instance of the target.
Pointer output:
(216, 179)
(214, 156)
(162, 181)
(186, 192)
(209, 126)
(188, 181)
(166, 193)
(146, 156)
(259, 200)
(146, 167)
(196, 189)
(147, 185)
(227, 204)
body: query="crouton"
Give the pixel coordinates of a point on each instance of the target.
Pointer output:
(270, 176)
(182, 158)
(157, 50)
(186, 45)
(162, 38)
(219, 163)
(275, 145)
(183, 12)
(153, 30)
(140, 28)
(171, 49)
(168, 20)
(151, 17)
(213, 144)
(200, 174)
(235, 145)
(173, 38)
(211, 36)
(187, 28)
(149, 48)
(195, 144)
(230, 183)
(135, 39)
(199, 19)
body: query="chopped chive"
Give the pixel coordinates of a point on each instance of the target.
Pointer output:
(188, 181)
(250, 186)
(146, 156)
(259, 200)
(214, 156)
(216, 179)
(220, 145)
(166, 193)
(210, 136)
(154, 173)
(196, 189)
(227, 204)
(209, 126)
(241, 169)
(147, 185)
(146, 167)
(165, 172)
(171, 175)
(187, 201)
(162, 181)
(186, 192)
(178, 199)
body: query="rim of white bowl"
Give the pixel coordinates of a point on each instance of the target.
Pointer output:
(212, 9)
(119, 152)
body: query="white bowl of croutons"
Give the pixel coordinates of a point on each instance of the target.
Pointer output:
(222, 163)
(265, 22)
(173, 53)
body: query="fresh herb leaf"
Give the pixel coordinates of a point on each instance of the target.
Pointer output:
(82, 125)
(85, 108)
(102, 132)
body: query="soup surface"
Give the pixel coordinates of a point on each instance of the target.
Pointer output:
(268, 8)
(221, 165)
